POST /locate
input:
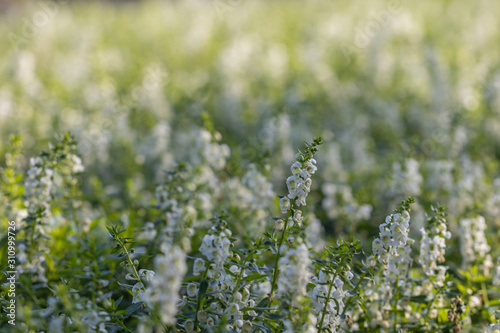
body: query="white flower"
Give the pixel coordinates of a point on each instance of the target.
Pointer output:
(296, 167)
(234, 269)
(432, 251)
(310, 167)
(334, 304)
(214, 153)
(299, 184)
(246, 327)
(279, 224)
(377, 246)
(294, 274)
(137, 292)
(148, 275)
(163, 292)
(370, 262)
(304, 174)
(202, 316)
(474, 245)
(199, 266)
(393, 251)
(493, 328)
(293, 183)
(189, 325)
(297, 217)
(192, 290)
(216, 248)
(301, 198)
(284, 204)
(338, 282)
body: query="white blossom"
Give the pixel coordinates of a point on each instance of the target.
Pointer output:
(474, 247)
(294, 273)
(163, 292)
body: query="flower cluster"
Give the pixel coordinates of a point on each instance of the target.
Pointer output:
(473, 244)
(327, 298)
(425, 124)
(165, 283)
(273, 283)
(299, 183)
(38, 185)
(328, 294)
(433, 246)
(215, 247)
(493, 328)
(392, 249)
(223, 275)
(252, 198)
(294, 272)
(408, 180)
(214, 153)
(392, 241)
(339, 202)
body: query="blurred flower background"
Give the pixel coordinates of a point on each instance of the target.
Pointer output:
(405, 94)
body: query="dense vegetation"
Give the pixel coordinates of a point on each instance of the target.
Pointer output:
(247, 166)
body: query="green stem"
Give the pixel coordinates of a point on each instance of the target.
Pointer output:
(429, 307)
(395, 308)
(238, 280)
(199, 300)
(355, 288)
(32, 230)
(320, 325)
(278, 253)
(73, 210)
(485, 294)
(123, 325)
(129, 260)
(136, 275)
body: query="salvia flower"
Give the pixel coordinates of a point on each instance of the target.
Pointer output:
(433, 247)
(163, 291)
(294, 274)
(474, 247)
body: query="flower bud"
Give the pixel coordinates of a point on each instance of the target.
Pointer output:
(189, 325)
(202, 316)
(192, 290)
(280, 225)
(284, 204)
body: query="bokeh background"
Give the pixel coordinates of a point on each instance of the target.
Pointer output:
(405, 95)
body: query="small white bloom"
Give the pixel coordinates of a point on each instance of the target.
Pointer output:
(199, 266)
(284, 204)
(189, 325)
(279, 224)
(296, 168)
(192, 290)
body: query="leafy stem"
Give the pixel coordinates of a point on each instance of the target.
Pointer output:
(320, 325)
(361, 278)
(278, 252)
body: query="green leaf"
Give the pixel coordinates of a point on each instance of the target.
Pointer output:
(419, 299)
(133, 308)
(255, 276)
(203, 288)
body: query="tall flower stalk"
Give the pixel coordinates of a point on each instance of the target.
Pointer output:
(299, 186)
(392, 249)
